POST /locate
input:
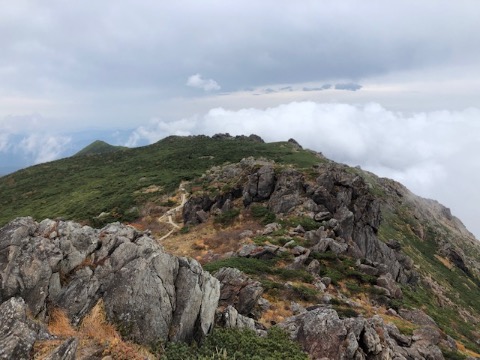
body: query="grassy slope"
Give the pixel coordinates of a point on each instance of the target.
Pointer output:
(99, 147)
(82, 187)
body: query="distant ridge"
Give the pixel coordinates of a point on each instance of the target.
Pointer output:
(99, 147)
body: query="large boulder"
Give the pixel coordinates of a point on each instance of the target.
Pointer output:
(238, 290)
(150, 295)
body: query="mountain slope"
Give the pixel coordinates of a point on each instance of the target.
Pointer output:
(83, 187)
(386, 272)
(99, 147)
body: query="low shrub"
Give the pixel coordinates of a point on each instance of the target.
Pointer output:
(239, 345)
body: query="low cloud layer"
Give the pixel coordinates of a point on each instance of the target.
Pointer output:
(433, 153)
(28, 139)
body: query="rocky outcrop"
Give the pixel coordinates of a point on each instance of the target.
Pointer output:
(238, 290)
(325, 336)
(18, 333)
(150, 295)
(260, 185)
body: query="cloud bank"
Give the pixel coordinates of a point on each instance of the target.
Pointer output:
(29, 138)
(435, 154)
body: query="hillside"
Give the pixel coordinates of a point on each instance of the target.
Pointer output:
(116, 183)
(347, 264)
(99, 147)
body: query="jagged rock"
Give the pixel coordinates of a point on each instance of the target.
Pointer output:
(270, 228)
(288, 192)
(260, 185)
(386, 281)
(299, 261)
(66, 351)
(323, 216)
(325, 336)
(128, 269)
(17, 332)
(320, 332)
(238, 290)
(299, 229)
(394, 244)
(297, 308)
(418, 317)
(369, 270)
(399, 338)
(230, 318)
(260, 252)
(314, 267)
(194, 207)
(328, 244)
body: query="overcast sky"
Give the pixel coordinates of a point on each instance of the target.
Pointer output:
(392, 86)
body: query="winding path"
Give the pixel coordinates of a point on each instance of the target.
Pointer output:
(168, 216)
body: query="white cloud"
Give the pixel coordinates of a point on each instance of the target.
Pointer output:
(4, 142)
(435, 153)
(43, 148)
(157, 129)
(197, 81)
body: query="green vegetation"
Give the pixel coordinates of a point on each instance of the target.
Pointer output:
(82, 187)
(262, 213)
(306, 222)
(238, 345)
(227, 217)
(259, 267)
(340, 267)
(462, 289)
(99, 147)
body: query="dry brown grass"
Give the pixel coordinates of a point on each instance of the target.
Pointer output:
(445, 262)
(94, 331)
(279, 310)
(467, 352)
(59, 324)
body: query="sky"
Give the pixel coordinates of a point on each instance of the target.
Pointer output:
(391, 86)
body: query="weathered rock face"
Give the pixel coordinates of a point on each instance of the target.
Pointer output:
(152, 296)
(17, 332)
(325, 336)
(337, 199)
(238, 290)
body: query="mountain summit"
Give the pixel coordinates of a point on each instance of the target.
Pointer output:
(307, 257)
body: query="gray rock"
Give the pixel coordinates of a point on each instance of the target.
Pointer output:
(17, 332)
(128, 270)
(230, 318)
(314, 267)
(238, 290)
(260, 185)
(387, 282)
(323, 216)
(288, 193)
(418, 317)
(66, 350)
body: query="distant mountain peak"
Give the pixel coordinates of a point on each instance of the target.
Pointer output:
(99, 147)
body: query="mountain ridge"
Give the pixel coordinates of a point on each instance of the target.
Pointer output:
(312, 239)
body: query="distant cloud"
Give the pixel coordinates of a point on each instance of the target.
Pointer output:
(43, 148)
(157, 129)
(348, 86)
(197, 81)
(4, 142)
(30, 137)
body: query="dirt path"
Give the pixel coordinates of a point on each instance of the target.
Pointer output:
(167, 218)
